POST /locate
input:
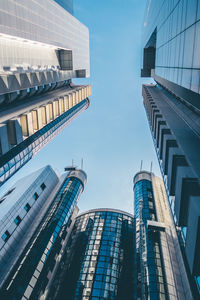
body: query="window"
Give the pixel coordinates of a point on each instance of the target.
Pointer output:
(27, 207)
(17, 220)
(43, 186)
(35, 196)
(6, 236)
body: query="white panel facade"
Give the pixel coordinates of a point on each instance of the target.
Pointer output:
(21, 211)
(31, 31)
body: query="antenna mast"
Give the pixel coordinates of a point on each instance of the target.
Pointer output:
(151, 167)
(141, 165)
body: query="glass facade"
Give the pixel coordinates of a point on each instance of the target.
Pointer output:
(171, 56)
(18, 156)
(29, 276)
(152, 270)
(177, 25)
(158, 254)
(99, 259)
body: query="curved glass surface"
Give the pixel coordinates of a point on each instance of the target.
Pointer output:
(151, 268)
(99, 260)
(29, 277)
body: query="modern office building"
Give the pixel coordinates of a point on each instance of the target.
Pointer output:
(42, 47)
(161, 269)
(171, 57)
(99, 258)
(37, 215)
(21, 209)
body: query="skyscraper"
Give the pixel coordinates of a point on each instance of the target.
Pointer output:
(161, 269)
(171, 57)
(21, 210)
(35, 226)
(42, 48)
(99, 258)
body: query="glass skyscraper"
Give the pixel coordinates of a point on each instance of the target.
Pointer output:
(35, 230)
(161, 271)
(99, 260)
(171, 58)
(42, 47)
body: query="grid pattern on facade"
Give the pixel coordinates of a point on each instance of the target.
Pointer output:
(177, 41)
(37, 36)
(29, 280)
(23, 215)
(153, 279)
(101, 254)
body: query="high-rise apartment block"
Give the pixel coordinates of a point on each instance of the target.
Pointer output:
(42, 47)
(161, 270)
(36, 217)
(171, 57)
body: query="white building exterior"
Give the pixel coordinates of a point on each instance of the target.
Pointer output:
(31, 33)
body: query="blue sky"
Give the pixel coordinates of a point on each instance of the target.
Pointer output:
(112, 136)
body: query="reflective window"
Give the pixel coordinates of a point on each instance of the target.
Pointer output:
(43, 186)
(6, 236)
(27, 207)
(35, 196)
(17, 220)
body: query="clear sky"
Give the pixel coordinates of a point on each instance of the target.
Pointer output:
(112, 135)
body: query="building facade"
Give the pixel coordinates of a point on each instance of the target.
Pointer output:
(42, 224)
(161, 269)
(171, 58)
(99, 259)
(39, 55)
(21, 211)
(26, 129)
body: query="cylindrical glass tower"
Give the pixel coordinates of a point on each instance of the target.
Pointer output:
(35, 266)
(161, 270)
(99, 260)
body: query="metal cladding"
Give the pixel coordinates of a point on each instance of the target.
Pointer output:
(37, 97)
(171, 58)
(44, 237)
